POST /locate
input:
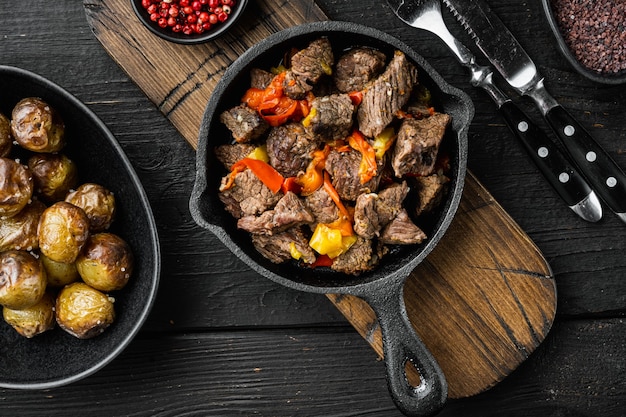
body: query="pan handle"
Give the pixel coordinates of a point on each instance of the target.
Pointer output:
(402, 346)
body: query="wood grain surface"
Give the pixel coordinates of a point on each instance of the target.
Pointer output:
(222, 342)
(481, 311)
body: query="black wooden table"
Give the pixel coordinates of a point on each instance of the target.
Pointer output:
(221, 341)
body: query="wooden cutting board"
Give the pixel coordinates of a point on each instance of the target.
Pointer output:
(483, 300)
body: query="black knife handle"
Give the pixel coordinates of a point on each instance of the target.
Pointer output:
(605, 176)
(552, 163)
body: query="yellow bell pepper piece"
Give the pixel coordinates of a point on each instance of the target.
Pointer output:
(306, 122)
(260, 153)
(383, 142)
(329, 241)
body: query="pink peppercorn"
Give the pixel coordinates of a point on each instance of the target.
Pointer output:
(190, 17)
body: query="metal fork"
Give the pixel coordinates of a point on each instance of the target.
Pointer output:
(554, 165)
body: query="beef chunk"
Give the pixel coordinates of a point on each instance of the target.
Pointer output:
(229, 154)
(289, 211)
(244, 123)
(307, 66)
(402, 231)
(260, 79)
(417, 145)
(296, 87)
(386, 95)
(277, 248)
(290, 148)
(359, 258)
(430, 191)
(374, 211)
(249, 196)
(343, 168)
(357, 67)
(322, 206)
(331, 117)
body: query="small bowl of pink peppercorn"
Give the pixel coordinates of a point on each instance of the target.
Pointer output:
(189, 21)
(592, 36)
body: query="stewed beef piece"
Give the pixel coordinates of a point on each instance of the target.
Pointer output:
(260, 78)
(430, 191)
(307, 66)
(343, 168)
(417, 144)
(374, 211)
(357, 67)
(322, 206)
(331, 117)
(402, 231)
(244, 123)
(289, 211)
(278, 248)
(229, 154)
(290, 148)
(249, 196)
(386, 95)
(359, 258)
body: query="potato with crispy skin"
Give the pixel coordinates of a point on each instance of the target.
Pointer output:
(22, 279)
(106, 262)
(6, 139)
(97, 202)
(19, 232)
(36, 126)
(16, 187)
(63, 231)
(54, 175)
(83, 311)
(34, 320)
(59, 273)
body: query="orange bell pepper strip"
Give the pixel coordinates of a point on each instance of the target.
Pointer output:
(328, 187)
(312, 179)
(264, 171)
(368, 167)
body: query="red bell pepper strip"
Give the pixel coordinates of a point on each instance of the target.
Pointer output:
(322, 260)
(291, 184)
(356, 97)
(273, 105)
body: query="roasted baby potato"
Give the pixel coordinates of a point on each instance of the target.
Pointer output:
(63, 231)
(22, 279)
(6, 140)
(106, 262)
(59, 273)
(83, 311)
(16, 187)
(36, 126)
(20, 231)
(97, 202)
(34, 320)
(54, 175)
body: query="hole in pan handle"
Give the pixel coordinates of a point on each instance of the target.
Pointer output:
(402, 347)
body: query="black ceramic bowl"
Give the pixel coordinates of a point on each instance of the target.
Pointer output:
(56, 358)
(599, 77)
(167, 34)
(382, 287)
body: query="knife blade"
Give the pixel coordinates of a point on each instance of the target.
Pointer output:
(553, 164)
(506, 54)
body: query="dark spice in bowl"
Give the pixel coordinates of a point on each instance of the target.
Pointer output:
(595, 32)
